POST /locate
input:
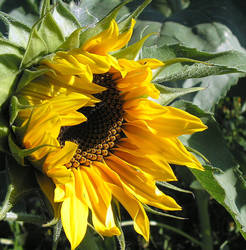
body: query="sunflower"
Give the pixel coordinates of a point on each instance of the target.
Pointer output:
(97, 136)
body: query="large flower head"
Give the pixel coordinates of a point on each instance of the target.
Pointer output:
(97, 136)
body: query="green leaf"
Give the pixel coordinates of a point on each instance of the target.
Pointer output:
(83, 11)
(167, 95)
(168, 8)
(208, 36)
(8, 70)
(28, 5)
(213, 11)
(143, 28)
(223, 181)
(65, 19)
(22, 16)
(17, 32)
(217, 63)
(7, 47)
(21, 183)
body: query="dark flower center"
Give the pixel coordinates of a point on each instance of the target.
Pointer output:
(100, 133)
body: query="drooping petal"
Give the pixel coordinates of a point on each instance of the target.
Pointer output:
(74, 213)
(154, 165)
(164, 121)
(135, 209)
(98, 197)
(140, 185)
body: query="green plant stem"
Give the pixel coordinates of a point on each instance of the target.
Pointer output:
(170, 228)
(29, 218)
(202, 198)
(8, 202)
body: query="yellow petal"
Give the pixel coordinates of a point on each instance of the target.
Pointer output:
(108, 40)
(151, 62)
(140, 185)
(171, 148)
(74, 215)
(60, 156)
(97, 63)
(135, 209)
(152, 164)
(98, 197)
(166, 121)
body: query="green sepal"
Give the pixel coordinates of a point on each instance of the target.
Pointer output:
(36, 48)
(18, 153)
(192, 150)
(50, 33)
(45, 37)
(14, 108)
(72, 41)
(117, 218)
(167, 95)
(131, 52)
(21, 182)
(123, 26)
(57, 229)
(8, 70)
(45, 7)
(101, 25)
(4, 132)
(18, 33)
(65, 19)
(173, 187)
(153, 211)
(29, 75)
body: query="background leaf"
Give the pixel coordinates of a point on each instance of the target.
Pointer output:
(222, 180)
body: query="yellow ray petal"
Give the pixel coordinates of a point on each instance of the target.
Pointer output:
(141, 186)
(108, 40)
(74, 215)
(97, 63)
(60, 157)
(166, 121)
(171, 148)
(135, 209)
(98, 197)
(159, 169)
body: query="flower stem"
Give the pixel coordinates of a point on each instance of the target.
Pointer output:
(28, 218)
(202, 203)
(170, 228)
